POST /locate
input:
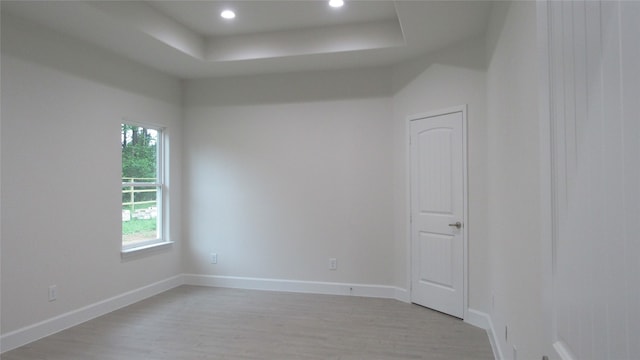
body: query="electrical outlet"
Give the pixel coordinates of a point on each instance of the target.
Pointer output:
(333, 264)
(214, 258)
(53, 293)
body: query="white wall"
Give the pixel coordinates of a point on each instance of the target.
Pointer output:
(513, 180)
(594, 57)
(284, 171)
(451, 77)
(62, 103)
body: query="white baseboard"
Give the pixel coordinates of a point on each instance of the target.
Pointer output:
(298, 286)
(493, 339)
(477, 319)
(51, 326)
(563, 351)
(483, 321)
(402, 295)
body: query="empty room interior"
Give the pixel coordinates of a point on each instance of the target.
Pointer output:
(320, 180)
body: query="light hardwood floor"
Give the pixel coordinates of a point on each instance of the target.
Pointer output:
(191, 322)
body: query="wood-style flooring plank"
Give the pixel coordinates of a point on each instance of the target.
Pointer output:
(191, 322)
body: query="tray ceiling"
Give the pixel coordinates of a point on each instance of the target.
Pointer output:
(189, 39)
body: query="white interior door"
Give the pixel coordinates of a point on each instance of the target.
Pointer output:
(438, 173)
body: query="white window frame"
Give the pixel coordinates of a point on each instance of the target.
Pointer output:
(162, 238)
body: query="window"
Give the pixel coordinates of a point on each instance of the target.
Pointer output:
(142, 186)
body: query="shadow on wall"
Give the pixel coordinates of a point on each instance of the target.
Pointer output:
(496, 24)
(463, 54)
(331, 84)
(288, 88)
(49, 49)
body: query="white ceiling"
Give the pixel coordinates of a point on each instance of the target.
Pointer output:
(188, 39)
(269, 16)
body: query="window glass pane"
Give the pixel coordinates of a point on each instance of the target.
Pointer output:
(141, 186)
(140, 215)
(139, 154)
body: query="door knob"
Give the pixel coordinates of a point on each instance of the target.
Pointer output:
(457, 225)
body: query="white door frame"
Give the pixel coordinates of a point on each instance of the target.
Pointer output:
(465, 234)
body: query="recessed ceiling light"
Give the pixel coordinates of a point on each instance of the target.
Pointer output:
(336, 3)
(228, 14)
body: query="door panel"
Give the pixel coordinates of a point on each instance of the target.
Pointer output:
(435, 171)
(437, 202)
(437, 271)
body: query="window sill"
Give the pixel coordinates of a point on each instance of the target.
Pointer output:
(144, 250)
